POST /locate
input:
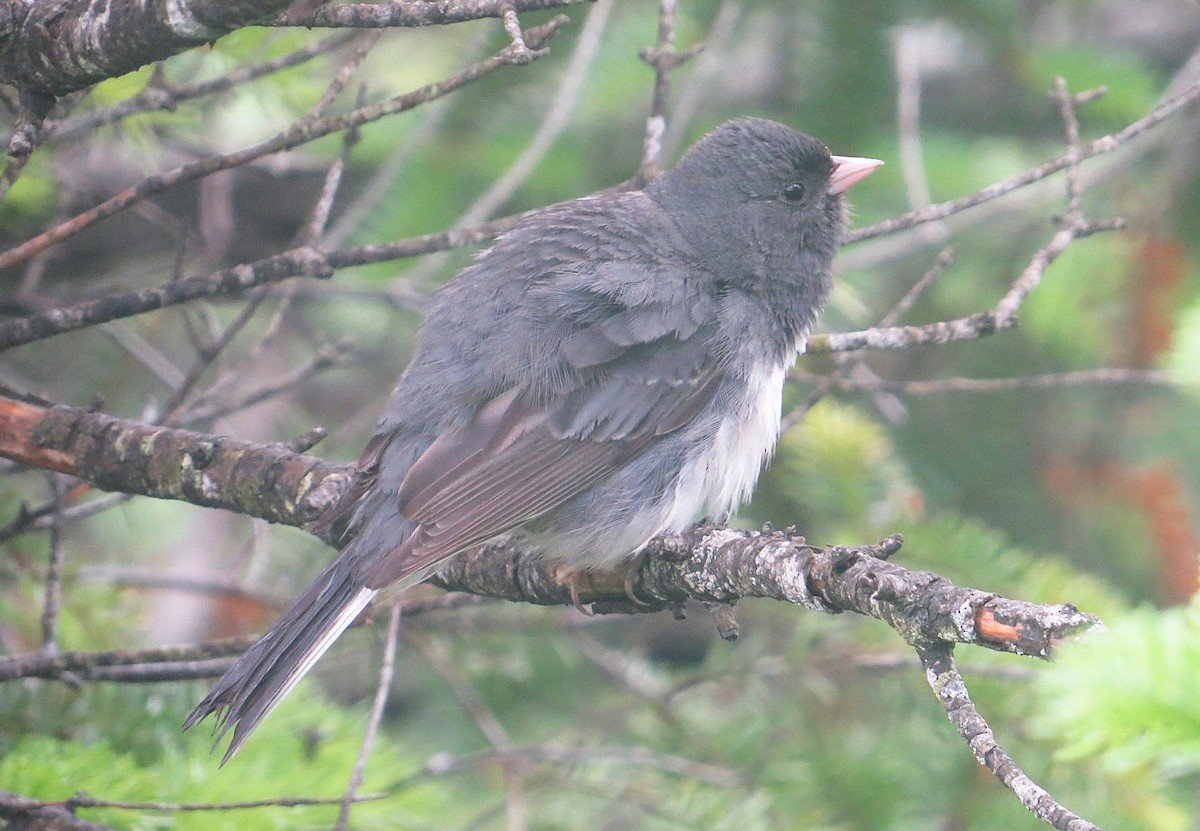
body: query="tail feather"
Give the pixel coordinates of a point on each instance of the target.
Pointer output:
(252, 687)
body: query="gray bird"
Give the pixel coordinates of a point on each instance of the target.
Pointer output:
(608, 371)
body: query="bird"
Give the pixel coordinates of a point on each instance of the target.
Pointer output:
(609, 370)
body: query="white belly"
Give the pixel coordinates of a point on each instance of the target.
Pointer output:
(722, 479)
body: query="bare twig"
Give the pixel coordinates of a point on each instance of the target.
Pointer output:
(297, 262)
(951, 691)
(664, 57)
(1049, 380)
(1105, 144)
(83, 801)
(851, 367)
(558, 115)
(298, 134)
(980, 324)
(41, 517)
(406, 13)
(160, 97)
(943, 261)
(204, 411)
(53, 594)
(708, 67)
(512, 25)
(314, 229)
(1066, 108)
(347, 70)
(27, 133)
(85, 664)
(386, 669)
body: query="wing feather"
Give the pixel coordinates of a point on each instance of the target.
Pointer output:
(639, 372)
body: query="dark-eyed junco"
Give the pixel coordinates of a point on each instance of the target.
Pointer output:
(610, 369)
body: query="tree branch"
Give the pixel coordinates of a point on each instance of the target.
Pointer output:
(261, 480)
(302, 132)
(407, 13)
(304, 261)
(951, 690)
(58, 47)
(707, 563)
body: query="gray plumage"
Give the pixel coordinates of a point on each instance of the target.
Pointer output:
(608, 370)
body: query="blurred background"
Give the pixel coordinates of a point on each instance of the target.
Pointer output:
(1068, 486)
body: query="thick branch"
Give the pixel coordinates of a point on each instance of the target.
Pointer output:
(260, 480)
(725, 565)
(707, 564)
(58, 47)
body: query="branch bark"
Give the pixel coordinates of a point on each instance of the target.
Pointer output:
(267, 481)
(709, 564)
(49, 49)
(53, 48)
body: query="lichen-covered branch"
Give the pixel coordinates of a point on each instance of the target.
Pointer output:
(706, 564)
(725, 565)
(268, 481)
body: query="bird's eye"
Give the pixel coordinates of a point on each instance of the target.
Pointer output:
(794, 192)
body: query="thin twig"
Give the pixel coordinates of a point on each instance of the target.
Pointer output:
(709, 65)
(41, 517)
(951, 691)
(205, 411)
(342, 77)
(386, 671)
(297, 262)
(1066, 108)
(981, 324)
(487, 722)
(83, 664)
(159, 97)
(852, 367)
(294, 136)
(1105, 144)
(27, 134)
(943, 261)
(84, 801)
(1048, 380)
(53, 592)
(558, 115)
(664, 57)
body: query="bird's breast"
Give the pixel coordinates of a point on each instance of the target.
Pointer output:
(722, 474)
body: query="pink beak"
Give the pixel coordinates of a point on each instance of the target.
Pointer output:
(848, 171)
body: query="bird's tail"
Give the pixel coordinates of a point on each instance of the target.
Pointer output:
(276, 663)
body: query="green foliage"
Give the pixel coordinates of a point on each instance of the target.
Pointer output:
(1184, 358)
(1132, 86)
(306, 748)
(819, 735)
(1150, 720)
(836, 469)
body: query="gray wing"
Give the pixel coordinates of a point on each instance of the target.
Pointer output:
(637, 373)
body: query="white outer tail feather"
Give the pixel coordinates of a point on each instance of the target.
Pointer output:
(340, 624)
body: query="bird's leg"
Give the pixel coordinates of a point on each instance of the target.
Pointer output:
(632, 569)
(572, 580)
